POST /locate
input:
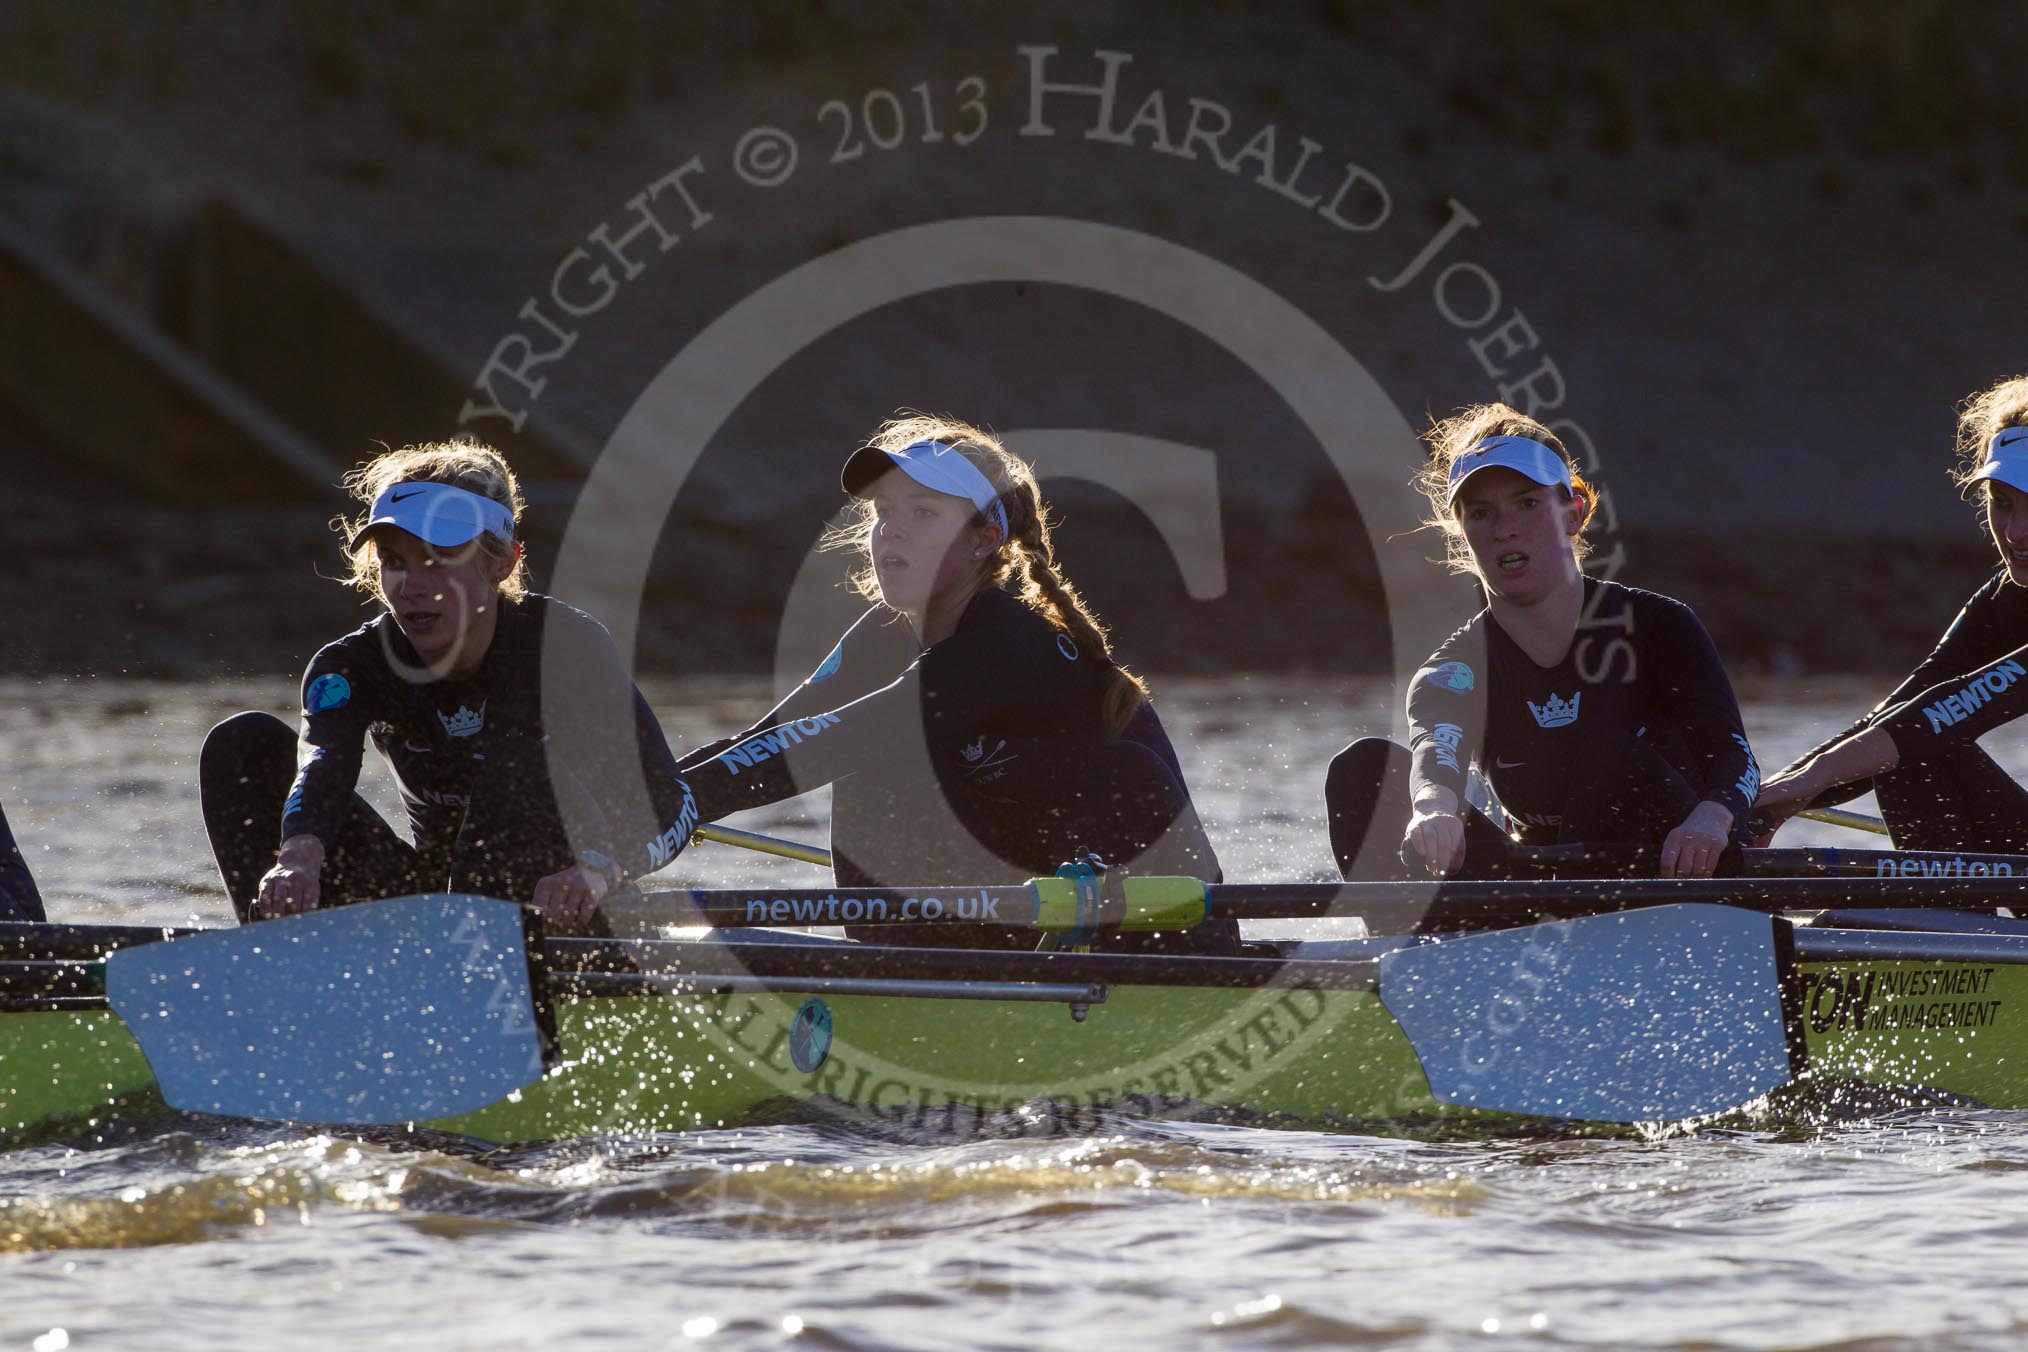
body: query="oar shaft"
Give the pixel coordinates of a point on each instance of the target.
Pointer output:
(1847, 879)
(754, 840)
(37, 940)
(1799, 893)
(807, 907)
(1829, 862)
(1838, 816)
(1813, 861)
(1160, 903)
(664, 957)
(37, 981)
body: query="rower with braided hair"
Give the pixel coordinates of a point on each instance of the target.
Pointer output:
(974, 722)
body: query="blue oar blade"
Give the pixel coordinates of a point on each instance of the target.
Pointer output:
(389, 1011)
(1645, 1016)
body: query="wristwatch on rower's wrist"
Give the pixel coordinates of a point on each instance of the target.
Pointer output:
(594, 861)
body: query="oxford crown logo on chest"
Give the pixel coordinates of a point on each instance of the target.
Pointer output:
(464, 722)
(1555, 713)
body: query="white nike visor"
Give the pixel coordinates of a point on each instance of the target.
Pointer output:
(443, 515)
(934, 465)
(2006, 459)
(1524, 455)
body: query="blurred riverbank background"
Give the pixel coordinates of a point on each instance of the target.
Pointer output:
(1755, 253)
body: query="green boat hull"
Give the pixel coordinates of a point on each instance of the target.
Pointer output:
(1281, 1056)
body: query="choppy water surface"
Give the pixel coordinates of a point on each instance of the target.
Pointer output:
(1901, 1232)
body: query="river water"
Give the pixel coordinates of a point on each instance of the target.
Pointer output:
(1897, 1232)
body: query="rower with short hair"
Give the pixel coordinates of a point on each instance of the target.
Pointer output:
(1918, 748)
(19, 897)
(975, 722)
(506, 795)
(1597, 712)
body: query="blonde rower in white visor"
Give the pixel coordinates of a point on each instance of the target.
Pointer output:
(1918, 748)
(504, 796)
(1598, 713)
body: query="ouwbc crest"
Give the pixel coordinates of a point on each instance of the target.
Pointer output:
(1556, 713)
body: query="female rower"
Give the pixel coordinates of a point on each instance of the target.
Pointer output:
(504, 797)
(974, 721)
(1596, 712)
(19, 899)
(1918, 748)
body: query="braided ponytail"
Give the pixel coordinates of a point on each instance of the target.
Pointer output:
(1045, 590)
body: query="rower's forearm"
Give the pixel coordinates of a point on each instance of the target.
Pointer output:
(1435, 798)
(1870, 753)
(304, 852)
(1713, 815)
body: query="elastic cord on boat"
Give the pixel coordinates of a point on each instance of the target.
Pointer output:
(1113, 904)
(1091, 898)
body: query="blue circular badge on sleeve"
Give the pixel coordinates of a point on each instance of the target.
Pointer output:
(1451, 676)
(829, 666)
(329, 691)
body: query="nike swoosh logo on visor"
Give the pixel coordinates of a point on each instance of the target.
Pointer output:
(403, 497)
(1499, 764)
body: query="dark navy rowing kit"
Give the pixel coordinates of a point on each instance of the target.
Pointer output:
(1615, 743)
(500, 791)
(19, 899)
(1945, 792)
(982, 758)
